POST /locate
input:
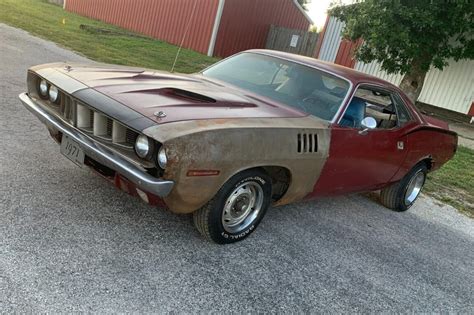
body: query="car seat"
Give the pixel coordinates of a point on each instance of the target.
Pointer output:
(354, 114)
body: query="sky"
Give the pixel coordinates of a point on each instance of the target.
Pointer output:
(317, 11)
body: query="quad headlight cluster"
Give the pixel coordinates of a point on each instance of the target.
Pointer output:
(48, 91)
(144, 148)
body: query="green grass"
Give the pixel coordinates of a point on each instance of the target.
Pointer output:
(454, 182)
(45, 20)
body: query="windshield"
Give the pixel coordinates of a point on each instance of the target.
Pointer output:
(313, 91)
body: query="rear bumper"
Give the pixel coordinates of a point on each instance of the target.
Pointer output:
(99, 152)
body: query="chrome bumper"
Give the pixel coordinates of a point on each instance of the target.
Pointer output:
(100, 153)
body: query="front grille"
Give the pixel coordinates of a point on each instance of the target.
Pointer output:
(95, 123)
(130, 137)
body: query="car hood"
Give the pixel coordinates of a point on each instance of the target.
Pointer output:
(166, 97)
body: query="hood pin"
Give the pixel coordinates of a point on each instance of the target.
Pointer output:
(160, 114)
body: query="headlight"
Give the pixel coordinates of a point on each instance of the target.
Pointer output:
(142, 146)
(162, 158)
(53, 94)
(43, 88)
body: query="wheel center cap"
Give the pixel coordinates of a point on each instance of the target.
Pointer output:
(240, 205)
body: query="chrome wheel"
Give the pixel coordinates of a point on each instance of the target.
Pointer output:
(242, 207)
(414, 187)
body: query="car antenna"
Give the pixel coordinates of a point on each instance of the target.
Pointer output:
(184, 35)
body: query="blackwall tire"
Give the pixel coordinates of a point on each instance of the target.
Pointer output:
(402, 195)
(237, 209)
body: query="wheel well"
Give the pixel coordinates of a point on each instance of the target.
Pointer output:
(281, 178)
(428, 162)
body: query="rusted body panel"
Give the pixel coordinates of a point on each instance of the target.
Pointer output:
(233, 145)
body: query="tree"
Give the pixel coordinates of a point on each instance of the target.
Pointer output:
(409, 37)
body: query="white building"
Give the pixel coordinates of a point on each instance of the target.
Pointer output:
(452, 88)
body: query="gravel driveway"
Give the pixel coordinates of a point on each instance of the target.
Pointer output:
(71, 242)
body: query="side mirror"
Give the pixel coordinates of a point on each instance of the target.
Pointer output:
(368, 123)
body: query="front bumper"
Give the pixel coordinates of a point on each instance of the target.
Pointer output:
(100, 153)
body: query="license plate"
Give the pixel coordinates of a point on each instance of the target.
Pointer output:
(72, 151)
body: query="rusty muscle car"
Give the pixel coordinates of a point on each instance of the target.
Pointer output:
(257, 129)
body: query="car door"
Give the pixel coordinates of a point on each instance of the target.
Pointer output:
(365, 160)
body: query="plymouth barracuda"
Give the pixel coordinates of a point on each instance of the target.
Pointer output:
(257, 129)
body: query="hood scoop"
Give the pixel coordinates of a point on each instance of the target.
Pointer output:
(184, 94)
(176, 93)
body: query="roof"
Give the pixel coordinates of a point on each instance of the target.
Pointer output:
(303, 11)
(351, 74)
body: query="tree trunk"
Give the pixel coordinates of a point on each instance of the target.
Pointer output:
(412, 82)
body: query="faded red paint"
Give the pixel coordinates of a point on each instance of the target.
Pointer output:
(345, 54)
(375, 160)
(149, 92)
(471, 110)
(163, 19)
(245, 23)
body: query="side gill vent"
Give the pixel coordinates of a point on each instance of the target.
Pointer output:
(307, 143)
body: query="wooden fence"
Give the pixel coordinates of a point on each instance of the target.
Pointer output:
(290, 40)
(58, 2)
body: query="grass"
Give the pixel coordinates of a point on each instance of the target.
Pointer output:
(45, 20)
(454, 182)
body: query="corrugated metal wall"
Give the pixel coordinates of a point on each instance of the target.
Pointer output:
(332, 40)
(452, 88)
(245, 23)
(163, 19)
(345, 53)
(373, 68)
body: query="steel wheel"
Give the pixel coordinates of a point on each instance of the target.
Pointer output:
(414, 188)
(401, 195)
(237, 208)
(242, 207)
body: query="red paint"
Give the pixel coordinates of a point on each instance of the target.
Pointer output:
(345, 53)
(471, 110)
(360, 162)
(369, 162)
(163, 19)
(146, 92)
(130, 188)
(245, 23)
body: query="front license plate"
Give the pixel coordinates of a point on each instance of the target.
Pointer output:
(72, 151)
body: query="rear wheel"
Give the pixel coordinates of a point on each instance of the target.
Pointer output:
(237, 209)
(401, 196)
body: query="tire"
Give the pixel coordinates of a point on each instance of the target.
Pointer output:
(219, 219)
(397, 196)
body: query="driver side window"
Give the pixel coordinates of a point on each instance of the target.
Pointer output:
(375, 103)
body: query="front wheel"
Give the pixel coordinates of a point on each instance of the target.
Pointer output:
(237, 209)
(401, 196)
